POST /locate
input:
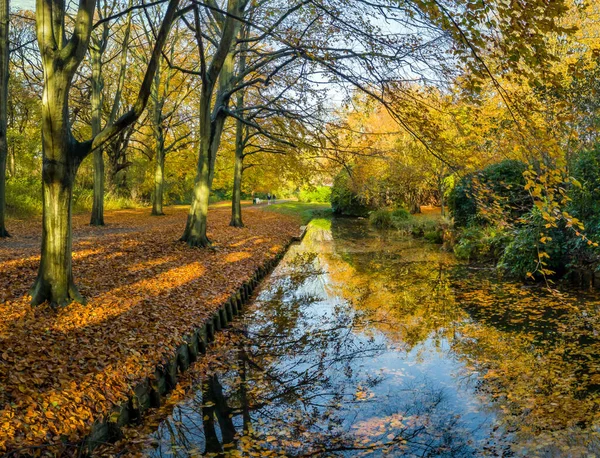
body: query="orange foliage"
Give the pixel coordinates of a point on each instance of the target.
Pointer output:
(62, 369)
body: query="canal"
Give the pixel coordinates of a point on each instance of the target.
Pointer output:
(368, 343)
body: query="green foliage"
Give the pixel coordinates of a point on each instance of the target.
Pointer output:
(477, 243)
(344, 201)
(381, 218)
(461, 203)
(83, 199)
(522, 253)
(305, 211)
(400, 214)
(497, 191)
(24, 197)
(585, 200)
(321, 194)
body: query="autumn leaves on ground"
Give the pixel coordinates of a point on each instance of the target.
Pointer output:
(62, 369)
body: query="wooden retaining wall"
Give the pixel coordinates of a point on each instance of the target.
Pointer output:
(150, 392)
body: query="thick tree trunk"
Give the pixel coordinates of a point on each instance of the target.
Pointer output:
(96, 51)
(4, 60)
(62, 154)
(158, 100)
(159, 173)
(61, 159)
(196, 226)
(55, 278)
(236, 198)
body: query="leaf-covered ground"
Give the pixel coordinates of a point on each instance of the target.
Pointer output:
(60, 370)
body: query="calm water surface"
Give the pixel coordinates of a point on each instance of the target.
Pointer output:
(368, 343)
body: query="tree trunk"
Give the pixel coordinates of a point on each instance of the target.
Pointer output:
(236, 199)
(97, 218)
(195, 228)
(414, 206)
(62, 154)
(159, 173)
(4, 60)
(61, 159)
(158, 100)
(96, 51)
(55, 278)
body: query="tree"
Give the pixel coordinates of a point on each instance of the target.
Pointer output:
(62, 154)
(210, 126)
(4, 64)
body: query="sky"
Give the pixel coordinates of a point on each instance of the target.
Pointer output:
(23, 4)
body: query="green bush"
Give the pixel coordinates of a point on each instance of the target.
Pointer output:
(421, 226)
(321, 194)
(400, 214)
(24, 197)
(344, 200)
(477, 243)
(521, 253)
(585, 200)
(83, 199)
(436, 236)
(504, 180)
(381, 218)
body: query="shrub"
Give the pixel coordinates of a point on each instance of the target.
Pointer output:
(585, 200)
(344, 201)
(23, 197)
(505, 184)
(436, 236)
(381, 218)
(521, 253)
(321, 194)
(400, 214)
(481, 243)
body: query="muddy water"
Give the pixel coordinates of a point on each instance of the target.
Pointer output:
(368, 343)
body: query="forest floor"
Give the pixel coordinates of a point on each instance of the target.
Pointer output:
(62, 369)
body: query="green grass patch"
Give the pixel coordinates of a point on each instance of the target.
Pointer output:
(303, 210)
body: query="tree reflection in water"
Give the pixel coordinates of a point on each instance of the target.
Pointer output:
(365, 343)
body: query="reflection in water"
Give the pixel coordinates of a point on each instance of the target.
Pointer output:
(365, 343)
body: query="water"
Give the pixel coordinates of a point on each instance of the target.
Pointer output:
(368, 343)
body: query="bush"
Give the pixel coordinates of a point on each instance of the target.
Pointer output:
(24, 197)
(521, 253)
(381, 218)
(344, 201)
(585, 200)
(321, 194)
(400, 214)
(477, 243)
(436, 236)
(506, 185)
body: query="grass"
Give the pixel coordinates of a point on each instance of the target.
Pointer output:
(304, 210)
